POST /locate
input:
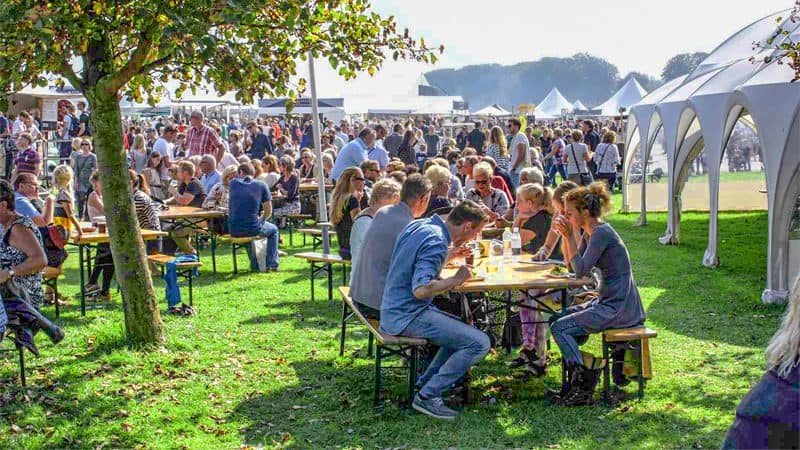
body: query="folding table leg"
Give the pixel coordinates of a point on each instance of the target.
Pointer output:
(83, 281)
(22, 367)
(313, 272)
(190, 287)
(412, 374)
(606, 372)
(330, 282)
(344, 328)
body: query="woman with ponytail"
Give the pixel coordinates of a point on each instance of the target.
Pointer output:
(618, 304)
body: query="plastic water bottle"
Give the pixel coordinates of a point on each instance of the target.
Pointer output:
(516, 245)
(507, 244)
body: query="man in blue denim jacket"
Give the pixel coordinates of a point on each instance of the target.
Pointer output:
(407, 309)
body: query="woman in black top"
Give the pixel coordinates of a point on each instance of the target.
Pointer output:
(406, 151)
(288, 185)
(347, 201)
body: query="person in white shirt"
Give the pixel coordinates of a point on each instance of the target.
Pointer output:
(520, 156)
(164, 147)
(576, 158)
(607, 158)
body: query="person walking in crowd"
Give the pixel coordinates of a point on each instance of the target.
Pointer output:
(618, 304)
(556, 156)
(606, 158)
(407, 308)
(247, 198)
(367, 280)
(353, 153)
(519, 149)
(28, 159)
(201, 139)
(138, 153)
(497, 149)
(378, 152)
(84, 164)
(576, 158)
(476, 138)
(393, 141)
(406, 151)
(64, 210)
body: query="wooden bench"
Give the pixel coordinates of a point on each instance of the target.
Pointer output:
(184, 269)
(50, 279)
(316, 236)
(641, 337)
(238, 243)
(296, 220)
(321, 262)
(387, 345)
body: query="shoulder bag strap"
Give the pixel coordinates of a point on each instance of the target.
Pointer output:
(602, 158)
(577, 166)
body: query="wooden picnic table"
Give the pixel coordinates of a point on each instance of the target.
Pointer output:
(92, 239)
(313, 187)
(194, 218)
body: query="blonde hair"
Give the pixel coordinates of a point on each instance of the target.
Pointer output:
(609, 137)
(496, 136)
(139, 143)
(62, 177)
(783, 351)
(577, 135)
(540, 196)
(228, 173)
(438, 175)
(341, 193)
(384, 190)
(394, 165)
(594, 198)
(76, 144)
(483, 169)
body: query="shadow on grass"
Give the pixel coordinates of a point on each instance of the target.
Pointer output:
(708, 304)
(332, 405)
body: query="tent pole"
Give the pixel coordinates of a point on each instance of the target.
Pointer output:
(315, 129)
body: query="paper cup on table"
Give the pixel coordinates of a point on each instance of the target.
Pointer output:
(485, 245)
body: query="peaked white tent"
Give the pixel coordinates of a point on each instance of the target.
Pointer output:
(579, 106)
(629, 94)
(725, 87)
(552, 105)
(494, 110)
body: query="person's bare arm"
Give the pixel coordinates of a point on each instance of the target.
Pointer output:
(520, 156)
(24, 240)
(267, 207)
(71, 216)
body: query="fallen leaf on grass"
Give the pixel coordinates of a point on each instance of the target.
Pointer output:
(15, 428)
(126, 427)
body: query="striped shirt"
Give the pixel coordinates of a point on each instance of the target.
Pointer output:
(146, 211)
(502, 161)
(202, 141)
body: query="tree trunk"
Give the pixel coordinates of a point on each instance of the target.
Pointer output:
(142, 318)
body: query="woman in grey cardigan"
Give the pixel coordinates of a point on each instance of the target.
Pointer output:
(618, 304)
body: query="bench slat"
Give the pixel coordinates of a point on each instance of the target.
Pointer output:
(162, 260)
(629, 334)
(322, 257)
(373, 325)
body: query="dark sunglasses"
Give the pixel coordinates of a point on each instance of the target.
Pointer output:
(358, 178)
(84, 145)
(481, 181)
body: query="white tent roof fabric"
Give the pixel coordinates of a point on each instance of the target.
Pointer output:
(493, 111)
(629, 94)
(579, 106)
(552, 105)
(722, 88)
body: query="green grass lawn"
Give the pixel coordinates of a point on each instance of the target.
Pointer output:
(259, 365)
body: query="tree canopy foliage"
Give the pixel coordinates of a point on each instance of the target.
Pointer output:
(247, 46)
(682, 64)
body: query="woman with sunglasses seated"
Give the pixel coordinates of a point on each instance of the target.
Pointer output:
(494, 201)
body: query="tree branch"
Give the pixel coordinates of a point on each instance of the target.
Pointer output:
(68, 73)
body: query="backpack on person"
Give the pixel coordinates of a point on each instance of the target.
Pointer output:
(84, 118)
(74, 126)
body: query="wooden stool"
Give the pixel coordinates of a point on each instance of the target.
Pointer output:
(639, 335)
(184, 269)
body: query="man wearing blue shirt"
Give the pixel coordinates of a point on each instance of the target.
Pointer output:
(26, 187)
(211, 176)
(378, 152)
(407, 308)
(354, 152)
(247, 197)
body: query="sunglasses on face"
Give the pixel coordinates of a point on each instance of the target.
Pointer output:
(84, 145)
(481, 181)
(358, 178)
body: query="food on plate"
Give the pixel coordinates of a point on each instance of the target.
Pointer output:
(559, 270)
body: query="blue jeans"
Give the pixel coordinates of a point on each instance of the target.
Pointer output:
(565, 331)
(551, 174)
(460, 347)
(514, 179)
(269, 231)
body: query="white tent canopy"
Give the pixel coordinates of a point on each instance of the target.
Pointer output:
(723, 88)
(579, 106)
(494, 110)
(553, 105)
(629, 94)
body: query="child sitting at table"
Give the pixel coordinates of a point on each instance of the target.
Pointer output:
(532, 218)
(618, 304)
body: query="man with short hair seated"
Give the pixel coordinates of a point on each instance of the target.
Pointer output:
(367, 280)
(407, 308)
(246, 198)
(189, 192)
(26, 190)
